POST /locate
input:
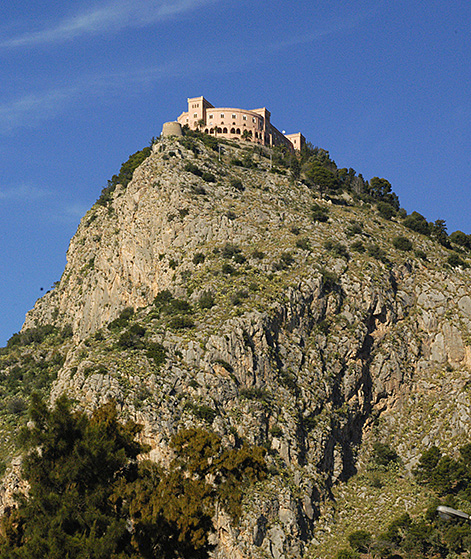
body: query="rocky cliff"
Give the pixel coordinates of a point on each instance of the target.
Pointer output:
(289, 320)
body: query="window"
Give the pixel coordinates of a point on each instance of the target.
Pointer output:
(222, 115)
(210, 116)
(245, 117)
(234, 116)
(254, 119)
(195, 115)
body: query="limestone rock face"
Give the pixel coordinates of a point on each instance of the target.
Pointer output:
(310, 352)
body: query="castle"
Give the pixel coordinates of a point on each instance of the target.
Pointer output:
(253, 125)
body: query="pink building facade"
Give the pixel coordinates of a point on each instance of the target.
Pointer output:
(253, 125)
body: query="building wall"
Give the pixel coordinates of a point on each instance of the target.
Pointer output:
(228, 122)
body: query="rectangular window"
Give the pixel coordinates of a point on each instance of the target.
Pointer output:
(210, 116)
(245, 117)
(195, 115)
(222, 115)
(234, 116)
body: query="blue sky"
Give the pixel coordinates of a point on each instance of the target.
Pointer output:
(383, 85)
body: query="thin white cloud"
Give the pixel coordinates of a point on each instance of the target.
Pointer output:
(32, 109)
(111, 17)
(29, 110)
(23, 193)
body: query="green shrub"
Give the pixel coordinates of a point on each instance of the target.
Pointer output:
(237, 184)
(199, 258)
(181, 322)
(347, 554)
(386, 210)
(206, 300)
(420, 254)
(454, 260)
(258, 254)
(360, 540)
(330, 280)
(156, 352)
(354, 229)
(230, 250)
(276, 431)
(204, 412)
(303, 243)
(337, 249)
(192, 168)
(417, 223)
(358, 246)
(461, 239)
(285, 261)
(402, 243)
(239, 258)
(295, 230)
(376, 252)
(122, 320)
(239, 297)
(132, 338)
(228, 269)
(208, 177)
(319, 213)
(383, 455)
(259, 394)
(125, 175)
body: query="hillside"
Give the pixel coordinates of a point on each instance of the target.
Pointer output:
(221, 291)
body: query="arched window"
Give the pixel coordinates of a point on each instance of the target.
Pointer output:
(233, 131)
(224, 130)
(211, 131)
(219, 130)
(256, 134)
(238, 131)
(205, 130)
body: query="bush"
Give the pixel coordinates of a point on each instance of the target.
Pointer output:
(239, 297)
(303, 243)
(285, 261)
(454, 261)
(258, 254)
(208, 177)
(228, 269)
(132, 338)
(354, 229)
(125, 175)
(319, 213)
(230, 250)
(204, 412)
(460, 238)
(237, 184)
(383, 455)
(358, 246)
(360, 540)
(376, 252)
(156, 352)
(199, 258)
(417, 223)
(122, 320)
(337, 249)
(206, 300)
(181, 322)
(386, 210)
(192, 168)
(402, 243)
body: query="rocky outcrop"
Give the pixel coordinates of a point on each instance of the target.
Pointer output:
(313, 353)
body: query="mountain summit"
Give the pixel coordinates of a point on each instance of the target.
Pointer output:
(277, 302)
